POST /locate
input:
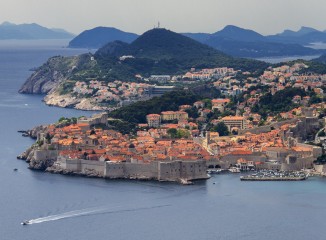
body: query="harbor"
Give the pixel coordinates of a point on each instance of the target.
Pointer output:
(275, 176)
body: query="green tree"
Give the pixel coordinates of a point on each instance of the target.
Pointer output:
(222, 129)
(181, 133)
(172, 132)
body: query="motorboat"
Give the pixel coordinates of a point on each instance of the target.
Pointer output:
(234, 170)
(214, 171)
(25, 222)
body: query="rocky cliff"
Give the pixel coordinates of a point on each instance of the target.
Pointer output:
(28, 155)
(46, 77)
(33, 163)
(56, 78)
(53, 98)
(55, 71)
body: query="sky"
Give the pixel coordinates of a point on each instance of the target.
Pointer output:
(138, 16)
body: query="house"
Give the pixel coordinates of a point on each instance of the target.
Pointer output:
(220, 103)
(153, 120)
(199, 104)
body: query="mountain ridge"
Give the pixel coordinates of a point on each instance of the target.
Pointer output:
(235, 41)
(103, 35)
(28, 31)
(158, 51)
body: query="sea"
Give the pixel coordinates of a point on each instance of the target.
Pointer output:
(66, 207)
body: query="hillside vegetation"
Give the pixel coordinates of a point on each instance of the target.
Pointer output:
(160, 51)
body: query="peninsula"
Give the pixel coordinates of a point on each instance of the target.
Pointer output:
(175, 108)
(171, 146)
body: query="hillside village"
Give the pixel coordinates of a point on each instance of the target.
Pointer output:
(224, 79)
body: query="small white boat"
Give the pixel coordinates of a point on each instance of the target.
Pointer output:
(25, 222)
(234, 170)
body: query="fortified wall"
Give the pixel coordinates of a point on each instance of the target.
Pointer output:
(304, 129)
(162, 171)
(268, 128)
(40, 155)
(233, 158)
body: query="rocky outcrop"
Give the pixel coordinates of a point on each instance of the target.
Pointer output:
(33, 132)
(27, 155)
(67, 100)
(56, 70)
(36, 130)
(88, 172)
(40, 164)
(52, 79)
(33, 163)
(46, 77)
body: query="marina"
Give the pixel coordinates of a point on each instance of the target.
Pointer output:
(275, 176)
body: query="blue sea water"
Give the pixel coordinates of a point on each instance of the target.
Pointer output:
(65, 207)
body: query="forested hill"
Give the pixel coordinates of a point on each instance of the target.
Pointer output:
(160, 51)
(99, 36)
(156, 52)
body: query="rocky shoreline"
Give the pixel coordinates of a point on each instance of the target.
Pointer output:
(48, 78)
(50, 166)
(68, 101)
(32, 133)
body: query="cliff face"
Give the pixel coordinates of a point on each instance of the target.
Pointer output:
(45, 78)
(56, 70)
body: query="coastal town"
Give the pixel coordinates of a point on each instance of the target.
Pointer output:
(118, 93)
(204, 136)
(163, 120)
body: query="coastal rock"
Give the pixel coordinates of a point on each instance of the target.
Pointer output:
(40, 164)
(30, 156)
(54, 168)
(25, 154)
(66, 100)
(55, 99)
(46, 77)
(36, 130)
(56, 70)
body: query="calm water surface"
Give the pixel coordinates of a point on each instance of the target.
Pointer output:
(64, 207)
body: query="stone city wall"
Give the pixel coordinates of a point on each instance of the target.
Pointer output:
(232, 159)
(40, 155)
(163, 171)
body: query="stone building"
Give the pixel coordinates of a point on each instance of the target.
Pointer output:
(220, 104)
(153, 120)
(173, 115)
(235, 122)
(101, 118)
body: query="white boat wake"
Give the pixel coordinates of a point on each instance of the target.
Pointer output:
(86, 212)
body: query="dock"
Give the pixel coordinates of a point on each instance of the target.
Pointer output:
(250, 178)
(276, 176)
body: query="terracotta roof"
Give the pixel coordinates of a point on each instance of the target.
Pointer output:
(233, 118)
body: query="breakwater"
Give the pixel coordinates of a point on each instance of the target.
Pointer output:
(249, 178)
(275, 176)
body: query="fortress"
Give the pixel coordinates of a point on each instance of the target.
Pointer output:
(174, 171)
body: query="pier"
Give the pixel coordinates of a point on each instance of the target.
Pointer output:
(275, 176)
